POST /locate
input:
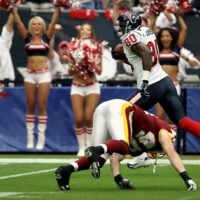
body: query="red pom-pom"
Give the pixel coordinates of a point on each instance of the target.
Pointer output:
(5, 4)
(83, 14)
(108, 14)
(185, 5)
(62, 3)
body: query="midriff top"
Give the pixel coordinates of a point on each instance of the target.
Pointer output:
(171, 58)
(37, 49)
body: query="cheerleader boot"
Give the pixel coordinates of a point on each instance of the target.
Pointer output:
(30, 123)
(42, 124)
(81, 140)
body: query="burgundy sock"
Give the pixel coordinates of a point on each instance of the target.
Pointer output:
(190, 125)
(117, 146)
(83, 163)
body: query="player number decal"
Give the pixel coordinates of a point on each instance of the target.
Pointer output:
(154, 51)
(130, 40)
(147, 139)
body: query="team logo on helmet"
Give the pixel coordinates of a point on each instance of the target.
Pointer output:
(126, 22)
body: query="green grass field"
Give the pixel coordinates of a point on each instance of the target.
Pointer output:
(31, 177)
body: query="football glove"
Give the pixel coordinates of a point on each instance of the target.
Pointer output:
(143, 90)
(191, 185)
(125, 184)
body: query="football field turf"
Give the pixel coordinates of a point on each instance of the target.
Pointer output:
(32, 177)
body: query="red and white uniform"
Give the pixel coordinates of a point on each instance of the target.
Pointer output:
(145, 131)
(146, 36)
(120, 120)
(6, 64)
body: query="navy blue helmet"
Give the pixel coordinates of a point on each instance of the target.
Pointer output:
(126, 22)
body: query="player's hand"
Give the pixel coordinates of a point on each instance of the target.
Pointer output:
(143, 90)
(118, 54)
(191, 185)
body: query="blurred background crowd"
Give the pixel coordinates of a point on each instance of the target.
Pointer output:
(107, 7)
(97, 4)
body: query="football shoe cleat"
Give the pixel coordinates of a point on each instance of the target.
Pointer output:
(95, 169)
(139, 162)
(93, 155)
(62, 177)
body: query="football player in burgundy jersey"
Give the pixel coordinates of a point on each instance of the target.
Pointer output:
(124, 128)
(154, 86)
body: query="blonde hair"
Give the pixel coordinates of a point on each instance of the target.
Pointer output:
(37, 18)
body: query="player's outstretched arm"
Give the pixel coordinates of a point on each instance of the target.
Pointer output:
(122, 183)
(167, 145)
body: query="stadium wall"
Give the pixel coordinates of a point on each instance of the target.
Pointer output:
(60, 133)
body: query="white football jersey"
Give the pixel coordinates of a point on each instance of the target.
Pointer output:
(146, 36)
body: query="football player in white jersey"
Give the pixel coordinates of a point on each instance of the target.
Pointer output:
(154, 85)
(124, 128)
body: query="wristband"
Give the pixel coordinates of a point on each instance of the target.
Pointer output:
(118, 178)
(184, 175)
(145, 75)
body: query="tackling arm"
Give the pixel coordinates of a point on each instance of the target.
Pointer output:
(167, 145)
(115, 160)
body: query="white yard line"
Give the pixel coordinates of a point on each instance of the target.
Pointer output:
(24, 195)
(65, 160)
(59, 161)
(35, 160)
(27, 174)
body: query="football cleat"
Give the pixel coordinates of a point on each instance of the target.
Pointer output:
(139, 162)
(125, 184)
(95, 169)
(62, 177)
(93, 155)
